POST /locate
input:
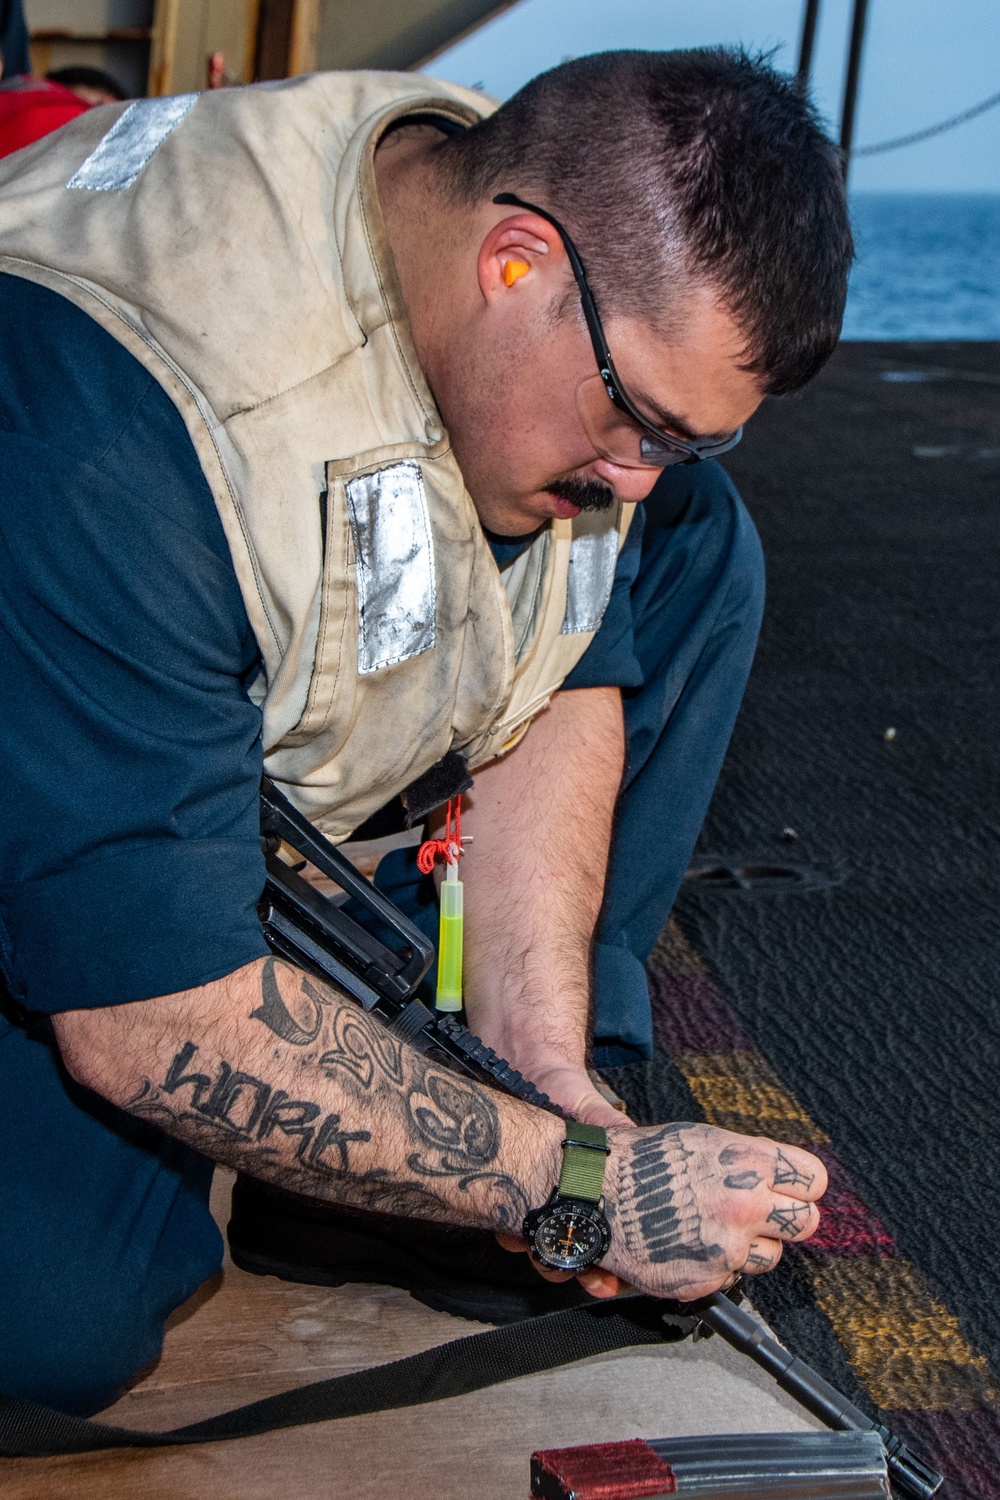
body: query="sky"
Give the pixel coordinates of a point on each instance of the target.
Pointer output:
(923, 60)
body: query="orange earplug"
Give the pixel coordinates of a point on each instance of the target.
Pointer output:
(513, 270)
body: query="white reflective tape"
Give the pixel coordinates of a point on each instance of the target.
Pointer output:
(394, 561)
(117, 160)
(593, 557)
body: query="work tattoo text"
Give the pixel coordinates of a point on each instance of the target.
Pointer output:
(450, 1128)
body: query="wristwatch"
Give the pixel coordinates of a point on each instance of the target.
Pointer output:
(570, 1231)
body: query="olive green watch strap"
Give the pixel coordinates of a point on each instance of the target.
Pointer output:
(585, 1155)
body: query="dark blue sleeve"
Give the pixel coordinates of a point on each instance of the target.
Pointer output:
(130, 858)
(610, 659)
(13, 39)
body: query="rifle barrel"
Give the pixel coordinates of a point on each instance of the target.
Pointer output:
(911, 1475)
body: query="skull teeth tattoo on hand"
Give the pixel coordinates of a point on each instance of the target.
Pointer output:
(658, 1215)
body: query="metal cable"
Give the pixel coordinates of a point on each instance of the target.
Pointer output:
(929, 130)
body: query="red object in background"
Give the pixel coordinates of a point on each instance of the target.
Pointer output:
(216, 70)
(601, 1471)
(31, 108)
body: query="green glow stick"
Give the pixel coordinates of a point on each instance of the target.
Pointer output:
(449, 975)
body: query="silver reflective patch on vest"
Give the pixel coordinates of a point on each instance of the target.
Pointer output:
(117, 160)
(394, 556)
(593, 556)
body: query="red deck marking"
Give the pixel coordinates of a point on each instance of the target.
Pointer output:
(964, 1444)
(690, 1015)
(847, 1226)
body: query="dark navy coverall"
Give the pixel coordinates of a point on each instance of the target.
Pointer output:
(130, 861)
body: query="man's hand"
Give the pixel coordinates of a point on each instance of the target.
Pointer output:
(534, 877)
(690, 1207)
(572, 1089)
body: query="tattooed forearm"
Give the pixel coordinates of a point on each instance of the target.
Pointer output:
(307, 1114)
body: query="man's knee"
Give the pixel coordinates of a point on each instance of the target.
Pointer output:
(105, 1228)
(696, 509)
(701, 572)
(743, 556)
(74, 1348)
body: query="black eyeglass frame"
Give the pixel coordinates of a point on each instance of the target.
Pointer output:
(692, 452)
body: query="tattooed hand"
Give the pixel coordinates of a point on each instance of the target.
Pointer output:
(690, 1206)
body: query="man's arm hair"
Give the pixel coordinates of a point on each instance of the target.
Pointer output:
(276, 1074)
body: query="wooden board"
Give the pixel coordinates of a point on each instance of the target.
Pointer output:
(187, 32)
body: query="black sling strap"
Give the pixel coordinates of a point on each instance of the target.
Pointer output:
(467, 1364)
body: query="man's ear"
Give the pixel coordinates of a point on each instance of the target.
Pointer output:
(519, 252)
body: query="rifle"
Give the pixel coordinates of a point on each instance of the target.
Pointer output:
(317, 934)
(382, 973)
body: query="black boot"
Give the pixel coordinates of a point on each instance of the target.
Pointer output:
(454, 1270)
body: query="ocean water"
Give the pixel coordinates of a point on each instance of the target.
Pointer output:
(928, 267)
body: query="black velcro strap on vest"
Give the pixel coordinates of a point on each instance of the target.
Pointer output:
(447, 778)
(468, 1364)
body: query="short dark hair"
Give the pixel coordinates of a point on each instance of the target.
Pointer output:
(673, 167)
(88, 78)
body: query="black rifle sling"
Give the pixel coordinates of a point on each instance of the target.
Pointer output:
(467, 1364)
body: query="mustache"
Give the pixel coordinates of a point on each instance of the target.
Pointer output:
(588, 494)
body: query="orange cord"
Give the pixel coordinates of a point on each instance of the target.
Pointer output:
(433, 849)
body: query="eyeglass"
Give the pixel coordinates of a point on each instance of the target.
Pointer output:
(614, 424)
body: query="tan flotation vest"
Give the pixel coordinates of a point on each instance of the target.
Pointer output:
(233, 242)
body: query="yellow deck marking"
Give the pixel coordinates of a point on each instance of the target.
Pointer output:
(742, 1086)
(905, 1346)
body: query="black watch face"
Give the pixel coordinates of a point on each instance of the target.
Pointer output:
(569, 1236)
